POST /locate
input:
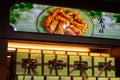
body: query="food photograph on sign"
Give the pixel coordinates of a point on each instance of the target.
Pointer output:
(48, 19)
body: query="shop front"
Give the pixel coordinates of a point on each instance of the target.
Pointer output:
(55, 41)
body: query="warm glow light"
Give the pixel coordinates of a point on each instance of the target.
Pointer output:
(35, 51)
(13, 49)
(105, 55)
(94, 54)
(8, 56)
(59, 52)
(71, 53)
(48, 51)
(47, 46)
(83, 54)
(52, 48)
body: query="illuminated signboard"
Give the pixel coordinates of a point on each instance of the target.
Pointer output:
(38, 18)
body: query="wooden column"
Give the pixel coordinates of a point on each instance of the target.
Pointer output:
(3, 59)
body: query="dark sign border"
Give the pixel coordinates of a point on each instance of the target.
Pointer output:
(10, 34)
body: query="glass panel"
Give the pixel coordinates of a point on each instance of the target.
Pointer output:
(48, 51)
(83, 53)
(111, 73)
(105, 55)
(48, 58)
(20, 56)
(52, 78)
(23, 50)
(112, 59)
(71, 53)
(94, 54)
(59, 52)
(65, 78)
(88, 59)
(20, 70)
(91, 78)
(114, 78)
(77, 78)
(103, 78)
(71, 66)
(63, 58)
(38, 77)
(38, 70)
(38, 57)
(26, 78)
(98, 72)
(35, 51)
